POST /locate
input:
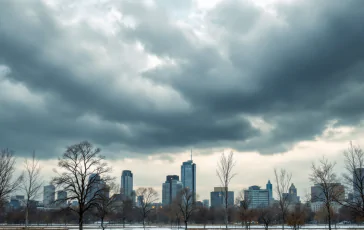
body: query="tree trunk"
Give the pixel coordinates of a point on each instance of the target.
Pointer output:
(102, 223)
(329, 217)
(27, 215)
(80, 221)
(144, 223)
(185, 224)
(226, 211)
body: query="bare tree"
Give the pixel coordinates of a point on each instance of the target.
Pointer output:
(105, 204)
(296, 217)
(82, 168)
(7, 169)
(325, 179)
(32, 183)
(245, 214)
(225, 173)
(266, 216)
(146, 197)
(186, 204)
(283, 181)
(175, 211)
(354, 179)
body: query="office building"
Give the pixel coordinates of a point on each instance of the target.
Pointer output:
(61, 198)
(188, 176)
(206, 203)
(126, 188)
(269, 187)
(94, 181)
(291, 196)
(140, 201)
(49, 193)
(170, 189)
(217, 197)
(257, 198)
(317, 193)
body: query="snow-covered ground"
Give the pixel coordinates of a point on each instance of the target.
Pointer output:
(155, 227)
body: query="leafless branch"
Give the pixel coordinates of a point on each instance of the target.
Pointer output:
(225, 173)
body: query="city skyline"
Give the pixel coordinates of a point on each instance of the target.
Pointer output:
(274, 81)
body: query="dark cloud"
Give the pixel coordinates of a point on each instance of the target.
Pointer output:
(297, 71)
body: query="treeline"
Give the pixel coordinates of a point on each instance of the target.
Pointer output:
(84, 174)
(237, 215)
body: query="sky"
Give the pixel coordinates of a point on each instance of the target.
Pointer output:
(280, 83)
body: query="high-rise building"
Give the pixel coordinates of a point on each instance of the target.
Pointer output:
(126, 188)
(49, 195)
(188, 176)
(170, 189)
(317, 193)
(218, 197)
(94, 182)
(269, 187)
(257, 198)
(61, 198)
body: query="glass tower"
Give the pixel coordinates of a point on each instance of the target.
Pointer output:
(269, 187)
(188, 176)
(126, 188)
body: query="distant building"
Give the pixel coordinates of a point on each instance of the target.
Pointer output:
(256, 197)
(126, 188)
(49, 192)
(217, 197)
(61, 198)
(318, 205)
(16, 202)
(170, 189)
(292, 197)
(358, 184)
(206, 203)
(140, 201)
(188, 176)
(317, 193)
(95, 183)
(269, 187)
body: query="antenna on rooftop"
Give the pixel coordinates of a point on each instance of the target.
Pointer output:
(191, 154)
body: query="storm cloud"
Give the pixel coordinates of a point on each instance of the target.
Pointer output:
(137, 77)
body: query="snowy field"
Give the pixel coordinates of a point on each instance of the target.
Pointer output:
(139, 227)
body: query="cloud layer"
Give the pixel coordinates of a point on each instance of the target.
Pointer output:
(151, 77)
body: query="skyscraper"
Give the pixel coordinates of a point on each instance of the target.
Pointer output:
(188, 176)
(126, 188)
(48, 195)
(269, 187)
(170, 189)
(94, 182)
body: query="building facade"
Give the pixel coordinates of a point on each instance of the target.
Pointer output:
(291, 196)
(61, 198)
(126, 185)
(170, 189)
(49, 193)
(269, 187)
(317, 192)
(206, 203)
(217, 197)
(257, 198)
(188, 176)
